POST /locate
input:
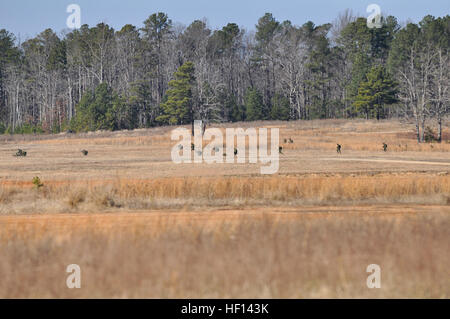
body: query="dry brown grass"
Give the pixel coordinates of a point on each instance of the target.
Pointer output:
(258, 256)
(140, 226)
(146, 154)
(170, 193)
(365, 136)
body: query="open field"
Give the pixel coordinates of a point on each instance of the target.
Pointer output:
(141, 226)
(146, 153)
(259, 253)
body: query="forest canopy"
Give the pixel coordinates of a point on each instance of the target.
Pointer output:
(97, 78)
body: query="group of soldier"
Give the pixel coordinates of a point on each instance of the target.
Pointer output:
(339, 148)
(21, 153)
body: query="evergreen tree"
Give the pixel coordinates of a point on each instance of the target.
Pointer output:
(320, 70)
(140, 102)
(280, 108)
(254, 103)
(156, 31)
(266, 30)
(237, 111)
(375, 92)
(179, 108)
(103, 110)
(365, 48)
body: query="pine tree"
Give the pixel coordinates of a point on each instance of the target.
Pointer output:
(254, 103)
(103, 110)
(375, 92)
(280, 108)
(179, 109)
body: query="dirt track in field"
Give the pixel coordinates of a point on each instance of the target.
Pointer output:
(381, 160)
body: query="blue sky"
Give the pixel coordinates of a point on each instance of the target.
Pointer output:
(26, 18)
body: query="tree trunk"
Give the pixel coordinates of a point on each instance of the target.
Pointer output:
(439, 129)
(418, 131)
(422, 134)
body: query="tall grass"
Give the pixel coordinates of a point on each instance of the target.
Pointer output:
(263, 257)
(225, 191)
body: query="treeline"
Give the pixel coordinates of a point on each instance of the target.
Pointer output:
(99, 78)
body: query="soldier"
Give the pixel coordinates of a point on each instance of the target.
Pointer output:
(339, 149)
(291, 141)
(385, 147)
(84, 152)
(21, 153)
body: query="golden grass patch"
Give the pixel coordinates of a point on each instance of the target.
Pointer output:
(176, 193)
(251, 256)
